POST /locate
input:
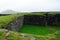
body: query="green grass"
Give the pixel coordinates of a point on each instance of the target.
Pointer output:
(41, 32)
(56, 27)
(34, 29)
(12, 35)
(16, 36)
(40, 13)
(5, 20)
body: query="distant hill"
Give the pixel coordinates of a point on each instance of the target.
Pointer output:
(8, 12)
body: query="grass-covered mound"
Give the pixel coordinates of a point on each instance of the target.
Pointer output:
(5, 20)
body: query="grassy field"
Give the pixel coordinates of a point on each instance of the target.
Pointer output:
(42, 32)
(56, 27)
(17, 36)
(37, 30)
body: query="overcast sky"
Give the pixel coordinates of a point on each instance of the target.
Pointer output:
(30, 5)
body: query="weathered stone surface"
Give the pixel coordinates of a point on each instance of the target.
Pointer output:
(34, 19)
(23, 35)
(53, 19)
(32, 38)
(16, 24)
(47, 19)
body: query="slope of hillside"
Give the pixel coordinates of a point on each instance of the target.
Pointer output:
(4, 20)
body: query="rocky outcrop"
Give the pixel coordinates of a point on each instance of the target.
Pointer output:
(34, 19)
(42, 20)
(53, 19)
(16, 24)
